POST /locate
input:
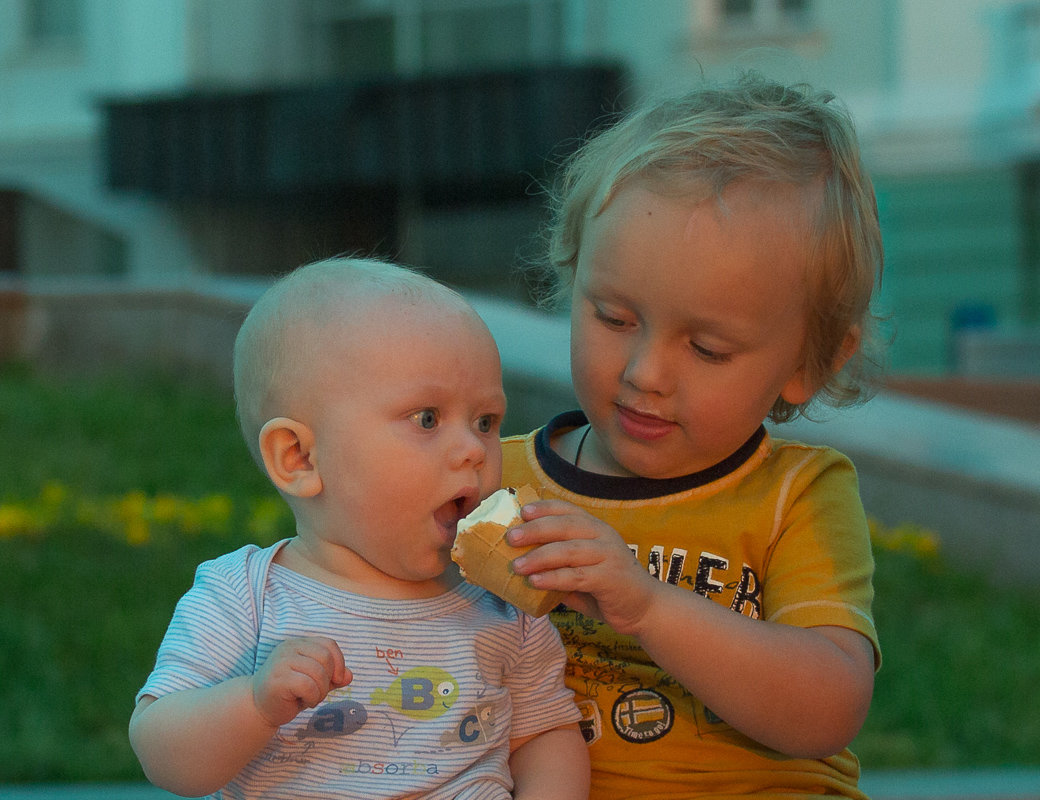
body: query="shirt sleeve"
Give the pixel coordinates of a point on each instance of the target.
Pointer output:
(821, 567)
(540, 701)
(213, 634)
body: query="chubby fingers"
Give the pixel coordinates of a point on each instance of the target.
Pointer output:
(553, 521)
(575, 552)
(298, 674)
(567, 542)
(322, 660)
(550, 508)
(317, 666)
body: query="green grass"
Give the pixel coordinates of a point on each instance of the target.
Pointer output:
(113, 490)
(960, 682)
(82, 611)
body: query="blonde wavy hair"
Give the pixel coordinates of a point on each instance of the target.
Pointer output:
(752, 129)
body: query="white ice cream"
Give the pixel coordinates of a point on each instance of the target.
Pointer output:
(501, 507)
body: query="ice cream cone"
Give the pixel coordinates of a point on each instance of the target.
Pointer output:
(486, 559)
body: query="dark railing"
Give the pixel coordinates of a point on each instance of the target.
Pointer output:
(460, 138)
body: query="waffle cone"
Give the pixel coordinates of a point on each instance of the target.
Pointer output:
(486, 559)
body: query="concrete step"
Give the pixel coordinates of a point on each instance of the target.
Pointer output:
(969, 784)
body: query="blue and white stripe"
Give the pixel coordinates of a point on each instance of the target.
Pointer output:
(507, 666)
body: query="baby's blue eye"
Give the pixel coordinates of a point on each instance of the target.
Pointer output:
(486, 424)
(427, 418)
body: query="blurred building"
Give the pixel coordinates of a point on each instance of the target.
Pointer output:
(160, 141)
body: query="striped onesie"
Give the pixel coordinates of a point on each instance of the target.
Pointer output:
(440, 685)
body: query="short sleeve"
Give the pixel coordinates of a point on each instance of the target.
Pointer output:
(821, 568)
(540, 701)
(213, 634)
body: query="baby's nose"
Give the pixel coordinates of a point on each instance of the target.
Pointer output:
(469, 449)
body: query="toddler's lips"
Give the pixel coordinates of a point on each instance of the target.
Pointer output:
(643, 426)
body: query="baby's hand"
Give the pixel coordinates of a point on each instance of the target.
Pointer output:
(298, 674)
(583, 555)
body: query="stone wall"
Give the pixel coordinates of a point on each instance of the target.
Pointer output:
(98, 326)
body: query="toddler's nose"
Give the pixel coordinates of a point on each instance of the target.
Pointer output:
(647, 368)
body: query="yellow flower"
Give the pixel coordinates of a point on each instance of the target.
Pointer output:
(137, 531)
(906, 538)
(269, 519)
(166, 509)
(54, 494)
(927, 545)
(131, 506)
(15, 520)
(215, 511)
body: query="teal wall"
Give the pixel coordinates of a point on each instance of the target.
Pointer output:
(950, 240)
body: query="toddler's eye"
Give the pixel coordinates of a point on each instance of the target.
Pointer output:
(426, 419)
(608, 320)
(710, 356)
(486, 423)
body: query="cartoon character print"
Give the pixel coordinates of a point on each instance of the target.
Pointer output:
(476, 727)
(404, 705)
(336, 718)
(421, 693)
(428, 693)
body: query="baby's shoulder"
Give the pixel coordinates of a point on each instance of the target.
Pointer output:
(245, 567)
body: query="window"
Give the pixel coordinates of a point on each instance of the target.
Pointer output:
(412, 36)
(1025, 40)
(53, 24)
(362, 46)
(734, 10)
(764, 16)
(475, 35)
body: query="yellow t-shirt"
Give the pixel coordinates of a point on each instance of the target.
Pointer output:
(775, 532)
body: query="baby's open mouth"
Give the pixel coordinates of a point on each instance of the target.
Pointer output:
(449, 514)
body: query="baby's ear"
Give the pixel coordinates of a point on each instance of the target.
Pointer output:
(287, 447)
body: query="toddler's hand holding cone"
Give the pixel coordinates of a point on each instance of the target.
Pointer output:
(485, 558)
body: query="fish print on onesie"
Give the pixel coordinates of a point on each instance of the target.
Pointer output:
(439, 687)
(402, 722)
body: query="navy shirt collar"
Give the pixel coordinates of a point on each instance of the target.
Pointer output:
(614, 487)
